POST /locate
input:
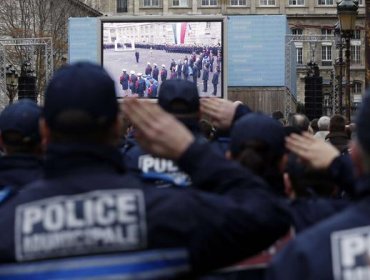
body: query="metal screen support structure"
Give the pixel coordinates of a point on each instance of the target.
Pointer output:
(289, 44)
(46, 43)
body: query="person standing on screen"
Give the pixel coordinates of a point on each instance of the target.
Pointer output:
(195, 73)
(140, 85)
(155, 72)
(173, 64)
(179, 69)
(137, 55)
(198, 63)
(205, 77)
(185, 69)
(163, 73)
(215, 80)
(132, 82)
(123, 80)
(148, 69)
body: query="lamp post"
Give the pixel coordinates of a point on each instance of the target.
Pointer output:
(11, 82)
(339, 67)
(347, 13)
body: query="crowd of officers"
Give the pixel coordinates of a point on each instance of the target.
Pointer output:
(188, 188)
(196, 66)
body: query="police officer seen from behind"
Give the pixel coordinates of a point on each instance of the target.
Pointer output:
(86, 206)
(181, 99)
(21, 144)
(337, 248)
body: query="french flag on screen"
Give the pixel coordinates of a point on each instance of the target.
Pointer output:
(183, 32)
(179, 32)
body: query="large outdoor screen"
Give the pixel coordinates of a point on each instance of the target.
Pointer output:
(140, 54)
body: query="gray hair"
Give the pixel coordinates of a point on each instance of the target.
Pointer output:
(323, 123)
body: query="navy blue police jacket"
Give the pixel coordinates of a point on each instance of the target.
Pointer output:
(86, 205)
(337, 248)
(342, 172)
(19, 170)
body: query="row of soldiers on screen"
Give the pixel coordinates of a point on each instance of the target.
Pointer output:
(138, 84)
(171, 48)
(192, 68)
(200, 61)
(193, 49)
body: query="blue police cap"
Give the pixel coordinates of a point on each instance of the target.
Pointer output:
(84, 89)
(178, 96)
(21, 117)
(363, 123)
(258, 127)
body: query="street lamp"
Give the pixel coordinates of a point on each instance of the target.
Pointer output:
(347, 13)
(11, 82)
(338, 67)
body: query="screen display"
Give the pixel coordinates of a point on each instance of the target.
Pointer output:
(140, 55)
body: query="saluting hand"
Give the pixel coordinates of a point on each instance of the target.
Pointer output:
(315, 152)
(220, 111)
(157, 131)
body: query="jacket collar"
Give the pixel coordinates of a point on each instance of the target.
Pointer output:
(67, 158)
(363, 186)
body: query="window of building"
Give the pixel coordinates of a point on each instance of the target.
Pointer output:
(357, 34)
(356, 93)
(209, 2)
(357, 88)
(297, 31)
(121, 6)
(180, 3)
(296, 2)
(238, 2)
(325, 2)
(326, 31)
(299, 55)
(267, 2)
(151, 3)
(326, 55)
(356, 54)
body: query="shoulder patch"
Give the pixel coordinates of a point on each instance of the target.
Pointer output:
(351, 254)
(162, 170)
(5, 193)
(93, 222)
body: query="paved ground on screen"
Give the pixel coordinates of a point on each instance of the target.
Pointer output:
(114, 62)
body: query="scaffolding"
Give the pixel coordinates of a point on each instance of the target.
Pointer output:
(29, 44)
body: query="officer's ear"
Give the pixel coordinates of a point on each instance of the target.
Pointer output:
(2, 146)
(288, 187)
(228, 155)
(44, 133)
(283, 163)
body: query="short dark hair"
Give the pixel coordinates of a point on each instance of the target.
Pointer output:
(337, 124)
(13, 142)
(98, 134)
(263, 161)
(314, 125)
